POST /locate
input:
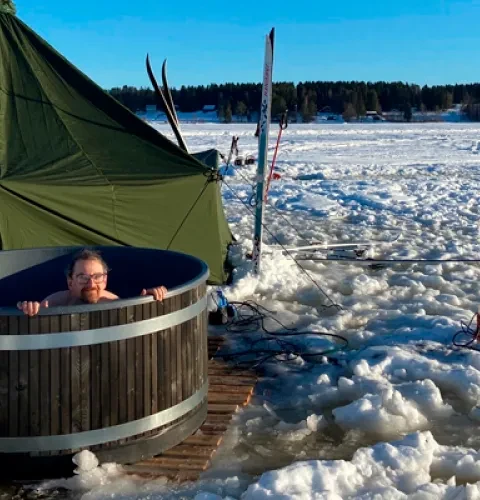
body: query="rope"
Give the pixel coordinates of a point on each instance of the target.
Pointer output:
(287, 252)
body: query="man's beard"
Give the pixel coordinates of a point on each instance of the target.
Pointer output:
(90, 295)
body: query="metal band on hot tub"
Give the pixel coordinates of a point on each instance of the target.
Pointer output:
(101, 335)
(105, 435)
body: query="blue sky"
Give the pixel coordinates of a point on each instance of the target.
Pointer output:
(212, 41)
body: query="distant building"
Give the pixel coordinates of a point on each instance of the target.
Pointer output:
(208, 108)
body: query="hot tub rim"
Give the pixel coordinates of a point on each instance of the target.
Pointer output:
(115, 304)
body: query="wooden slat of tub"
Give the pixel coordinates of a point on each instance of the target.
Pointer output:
(123, 319)
(33, 367)
(85, 377)
(106, 382)
(204, 349)
(186, 349)
(146, 387)
(4, 380)
(130, 369)
(140, 313)
(196, 373)
(114, 371)
(96, 375)
(175, 341)
(76, 375)
(161, 396)
(45, 394)
(65, 389)
(14, 374)
(166, 379)
(54, 369)
(152, 364)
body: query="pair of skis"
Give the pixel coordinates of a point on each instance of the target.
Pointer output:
(164, 98)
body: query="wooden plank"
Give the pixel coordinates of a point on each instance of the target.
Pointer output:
(187, 351)
(226, 398)
(223, 418)
(45, 394)
(65, 389)
(213, 426)
(150, 367)
(232, 380)
(123, 319)
(191, 451)
(15, 387)
(4, 381)
(105, 375)
(178, 463)
(96, 375)
(85, 379)
(196, 361)
(114, 370)
(130, 367)
(75, 374)
(54, 368)
(202, 440)
(32, 365)
(174, 335)
(155, 362)
(167, 360)
(149, 471)
(245, 390)
(222, 408)
(140, 313)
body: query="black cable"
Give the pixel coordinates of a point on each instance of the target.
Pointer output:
(469, 332)
(333, 304)
(253, 320)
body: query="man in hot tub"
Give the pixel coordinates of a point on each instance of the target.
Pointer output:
(87, 284)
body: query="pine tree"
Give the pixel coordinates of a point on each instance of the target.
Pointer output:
(360, 107)
(241, 109)
(349, 112)
(407, 112)
(228, 113)
(372, 103)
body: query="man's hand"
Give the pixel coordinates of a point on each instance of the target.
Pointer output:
(158, 292)
(31, 308)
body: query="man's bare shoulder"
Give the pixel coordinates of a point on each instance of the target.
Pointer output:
(63, 298)
(106, 295)
(58, 299)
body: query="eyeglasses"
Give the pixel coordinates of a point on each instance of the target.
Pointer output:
(83, 279)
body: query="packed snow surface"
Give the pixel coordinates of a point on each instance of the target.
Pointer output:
(394, 415)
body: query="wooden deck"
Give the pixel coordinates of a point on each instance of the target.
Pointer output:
(228, 390)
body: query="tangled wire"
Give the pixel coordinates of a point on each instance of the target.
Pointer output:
(248, 317)
(472, 335)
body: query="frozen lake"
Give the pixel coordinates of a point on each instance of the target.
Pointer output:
(395, 414)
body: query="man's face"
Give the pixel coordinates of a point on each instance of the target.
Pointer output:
(88, 280)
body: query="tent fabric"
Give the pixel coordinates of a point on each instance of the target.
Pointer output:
(78, 168)
(210, 157)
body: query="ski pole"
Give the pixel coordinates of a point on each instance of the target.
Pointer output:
(283, 125)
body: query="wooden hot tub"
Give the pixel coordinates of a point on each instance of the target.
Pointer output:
(125, 379)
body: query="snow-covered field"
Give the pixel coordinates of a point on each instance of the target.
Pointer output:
(394, 415)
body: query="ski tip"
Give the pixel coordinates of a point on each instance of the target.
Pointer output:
(272, 34)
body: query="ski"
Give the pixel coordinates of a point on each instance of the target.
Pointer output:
(163, 101)
(264, 127)
(168, 94)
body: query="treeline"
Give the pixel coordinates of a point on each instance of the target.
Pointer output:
(351, 99)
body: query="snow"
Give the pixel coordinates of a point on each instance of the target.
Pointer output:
(395, 415)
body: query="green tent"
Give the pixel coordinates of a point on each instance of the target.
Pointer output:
(78, 168)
